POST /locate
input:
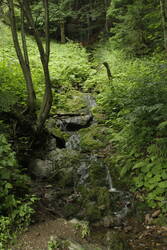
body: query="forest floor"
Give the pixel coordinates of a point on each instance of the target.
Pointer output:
(140, 236)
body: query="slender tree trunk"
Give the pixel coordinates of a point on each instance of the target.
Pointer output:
(62, 31)
(26, 59)
(44, 56)
(163, 4)
(106, 18)
(26, 72)
(108, 71)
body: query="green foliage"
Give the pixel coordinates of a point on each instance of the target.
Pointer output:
(15, 205)
(136, 109)
(12, 88)
(137, 26)
(56, 243)
(58, 12)
(69, 68)
(81, 19)
(83, 227)
(93, 138)
(69, 64)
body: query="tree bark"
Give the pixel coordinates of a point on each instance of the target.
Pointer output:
(163, 4)
(26, 60)
(62, 31)
(22, 60)
(44, 56)
(108, 71)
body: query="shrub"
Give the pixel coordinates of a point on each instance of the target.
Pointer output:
(136, 107)
(16, 204)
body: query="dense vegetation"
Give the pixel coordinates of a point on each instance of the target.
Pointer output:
(133, 103)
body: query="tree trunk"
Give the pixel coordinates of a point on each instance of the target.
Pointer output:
(22, 60)
(106, 18)
(26, 59)
(44, 56)
(62, 31)
(163, 4)
(108, 71)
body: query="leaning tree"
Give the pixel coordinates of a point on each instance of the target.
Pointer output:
(23, 56)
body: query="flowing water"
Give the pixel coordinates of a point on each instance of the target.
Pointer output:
(73, 142)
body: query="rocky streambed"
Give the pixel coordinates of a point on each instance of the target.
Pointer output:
(83, 204)
(73, 164)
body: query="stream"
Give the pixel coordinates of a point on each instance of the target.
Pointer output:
(74, 181)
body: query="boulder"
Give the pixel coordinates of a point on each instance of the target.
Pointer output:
(72, 123)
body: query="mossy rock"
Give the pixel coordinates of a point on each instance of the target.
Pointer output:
(73, 102)
(97, 174)
(54, 130)
(96, 202)
(99, 115)
(63, 158)
(94, 138)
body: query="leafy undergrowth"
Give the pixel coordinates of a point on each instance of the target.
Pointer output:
(16, 204)
(136, 104)
(133, 105)
(69, 68)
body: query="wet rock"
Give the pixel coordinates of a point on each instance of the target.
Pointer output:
(41, 168)
(77, 122)
(73, 142)
(52, 144)
(148, 219)
(128, 229)
(53, 127)
(94, 138)
(74, 221)
(78, 102)
(82, 171)
(156, 213)
(90, 101)
(73, 245)
(108, 221)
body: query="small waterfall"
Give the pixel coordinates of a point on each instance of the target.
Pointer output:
(61, 124)
(73, 142)
(83, 172)
(125, 197)
(91, 103)
(109, 179)
(123, 212)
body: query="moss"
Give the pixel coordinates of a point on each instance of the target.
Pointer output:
(96, 202)
(116, 242)
(73, 101)
(58, 133)
(64, 158)
(67, 177)
(97, 174)
(161, 220)
(103, 198)
(54, 130)
(94, 138)
(92, 212)
(99, 114)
